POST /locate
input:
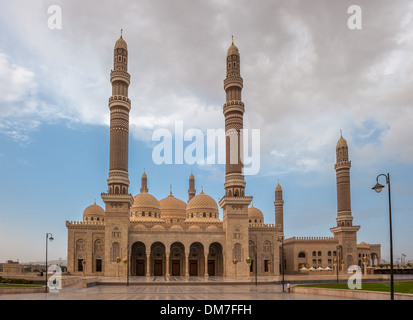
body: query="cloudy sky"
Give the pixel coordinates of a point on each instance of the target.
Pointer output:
(306, 77)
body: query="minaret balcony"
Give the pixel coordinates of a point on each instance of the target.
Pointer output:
(119, 75)
(234, 105)
(233, 81)
(120, 100)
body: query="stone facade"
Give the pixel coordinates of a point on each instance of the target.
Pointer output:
(170, 237)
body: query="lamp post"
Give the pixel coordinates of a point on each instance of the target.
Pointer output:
(117, 269)
(281, 239)
(256, 265)
(49, 236)
(127, 267)
(235, 264)
(378, 187)
(336, 263)
(248, 260)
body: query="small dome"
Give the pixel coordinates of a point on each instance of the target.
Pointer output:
(255, 214)
(172, 208)
(341, 142)
(145, 200)
(93, 211)
(121, 43)
(145, 207)
(232, 49)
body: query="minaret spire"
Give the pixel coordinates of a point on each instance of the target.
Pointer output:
(191, 189)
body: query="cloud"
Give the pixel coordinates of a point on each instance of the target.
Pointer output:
(306, 75)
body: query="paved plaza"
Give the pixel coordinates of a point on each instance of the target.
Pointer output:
(173, 288)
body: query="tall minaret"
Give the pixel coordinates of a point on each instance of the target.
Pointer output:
(279, 208)
(118, 200)
(120, 106)
(144, 183)
(234, 204)
(345, 232)
(191, 190)
(234, 123)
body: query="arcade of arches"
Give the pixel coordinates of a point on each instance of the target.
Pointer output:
(176, 260)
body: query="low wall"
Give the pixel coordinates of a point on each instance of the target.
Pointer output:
(351, 294)
(17, 290)
(318, 278)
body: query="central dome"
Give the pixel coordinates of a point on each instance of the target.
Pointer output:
(202, 206)
(173, 209)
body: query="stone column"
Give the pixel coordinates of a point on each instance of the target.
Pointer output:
(206, 275)
(167, 265)
(148, 262)
(187, 265)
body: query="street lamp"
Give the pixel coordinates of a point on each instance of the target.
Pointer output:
(281, 239)
(378, 187)
(49, 236)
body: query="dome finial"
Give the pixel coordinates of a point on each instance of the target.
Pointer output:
(170, 190)
(232, 40)
(121, 33)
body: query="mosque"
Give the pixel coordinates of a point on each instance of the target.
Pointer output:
(144, 236)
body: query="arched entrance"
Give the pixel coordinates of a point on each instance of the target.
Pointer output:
(215, 260)
(196, 259)
(177, 259)
(138, 259)
(158, 259)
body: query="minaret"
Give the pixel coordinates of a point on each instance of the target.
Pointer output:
(120, 106)
(279, 208)
(234, 123)
(191, 190)
(345, 232)
(234, 203)
(144, 183)
(118, 200)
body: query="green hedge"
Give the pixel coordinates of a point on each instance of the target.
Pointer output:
(15, 281)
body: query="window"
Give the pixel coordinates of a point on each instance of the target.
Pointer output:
(319, 253)
(301, 255)
(115, 251)
(267, 246)
(314, 253)
(204, 215)
(266, 265)
(329, 253)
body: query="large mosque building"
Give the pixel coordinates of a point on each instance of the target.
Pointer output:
(172, 237)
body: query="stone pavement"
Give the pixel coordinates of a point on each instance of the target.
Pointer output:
(173, 288)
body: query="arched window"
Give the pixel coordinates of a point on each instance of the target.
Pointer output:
(237, 251)
(314, 253)
(80, 245)
(115, 251)
(267, 246)
(319, 253)
(301, 255)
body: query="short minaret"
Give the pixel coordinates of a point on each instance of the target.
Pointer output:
(279, 208)
(345, 232)
(144, 183)
(191, 190)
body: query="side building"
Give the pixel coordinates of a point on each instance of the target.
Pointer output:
(340, 251)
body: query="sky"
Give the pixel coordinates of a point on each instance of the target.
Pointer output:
(307, 76)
